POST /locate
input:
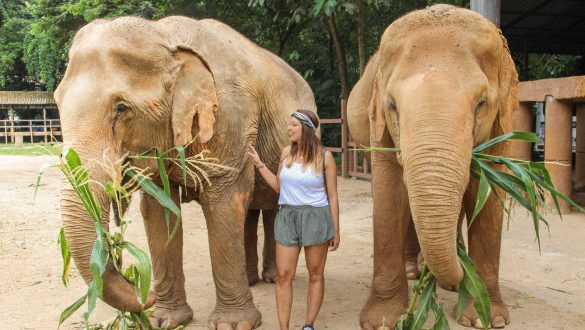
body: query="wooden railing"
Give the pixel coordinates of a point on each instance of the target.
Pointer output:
(34, 130)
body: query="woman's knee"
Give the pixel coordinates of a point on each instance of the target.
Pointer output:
(316, 275)
(285, 276)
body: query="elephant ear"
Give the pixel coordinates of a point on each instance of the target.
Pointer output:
(376, 112)
(194, 98)
(507, 92)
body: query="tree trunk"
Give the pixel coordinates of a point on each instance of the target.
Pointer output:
(361, 37)
(340, 54)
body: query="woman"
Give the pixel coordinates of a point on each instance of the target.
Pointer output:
(308, 216)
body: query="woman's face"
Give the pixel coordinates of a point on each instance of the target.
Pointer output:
(294, 130)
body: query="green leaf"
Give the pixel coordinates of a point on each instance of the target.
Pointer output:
(66, 254)
(318, 7)
(166, 184)
(41, 172)
(441, 322)
(99, 259)
(143, 270)
(424, 304)
(524, 136)
(530, 189)
(163, 199)
(475, 286)
(93, 292)
(141, 319)
(483, 193)
(462, 298)
(71, 309)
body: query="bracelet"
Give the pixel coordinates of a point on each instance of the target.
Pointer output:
(259, 167)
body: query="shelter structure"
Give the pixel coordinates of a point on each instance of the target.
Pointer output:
(45, 129)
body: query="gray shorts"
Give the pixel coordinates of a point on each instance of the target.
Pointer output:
(303, 225)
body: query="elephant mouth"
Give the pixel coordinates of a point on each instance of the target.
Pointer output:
(120, 204)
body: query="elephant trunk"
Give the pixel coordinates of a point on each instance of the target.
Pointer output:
(80, 232)
(436, 160)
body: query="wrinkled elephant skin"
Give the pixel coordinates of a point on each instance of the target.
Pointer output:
(441, 82)
(133, 84)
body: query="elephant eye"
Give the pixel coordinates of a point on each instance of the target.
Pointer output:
(121, 108)
(391, 105)
(481, 104)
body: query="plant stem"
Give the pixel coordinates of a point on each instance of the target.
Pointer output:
(425, 275)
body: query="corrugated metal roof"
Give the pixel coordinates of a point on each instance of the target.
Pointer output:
(544, 26)
(26, 98)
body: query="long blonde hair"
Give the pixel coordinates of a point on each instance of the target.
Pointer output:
(309, 147)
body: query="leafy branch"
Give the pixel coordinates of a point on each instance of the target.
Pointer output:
(110, 246)
(527, 183)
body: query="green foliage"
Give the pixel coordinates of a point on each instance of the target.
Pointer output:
(527, 184)
(108, 246)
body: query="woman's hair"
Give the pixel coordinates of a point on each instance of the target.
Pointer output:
(308, 147)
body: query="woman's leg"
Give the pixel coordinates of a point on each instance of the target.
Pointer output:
(315, 257)
(286, 266)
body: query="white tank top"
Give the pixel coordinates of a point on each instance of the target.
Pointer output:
(301, 188)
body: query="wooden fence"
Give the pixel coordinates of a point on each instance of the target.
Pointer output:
(35, 130)
(353, 164)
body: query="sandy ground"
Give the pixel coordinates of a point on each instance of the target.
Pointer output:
(545, 291)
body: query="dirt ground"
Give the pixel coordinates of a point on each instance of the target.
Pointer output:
(545, 291)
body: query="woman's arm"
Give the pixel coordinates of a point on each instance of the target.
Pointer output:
(331, 177)
(272, 180)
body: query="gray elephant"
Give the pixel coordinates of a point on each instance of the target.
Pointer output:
(441, 82)
(133, 84)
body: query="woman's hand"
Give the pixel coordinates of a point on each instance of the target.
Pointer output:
(334, 243)
(254, 155)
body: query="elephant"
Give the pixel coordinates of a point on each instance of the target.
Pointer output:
(134, 84)
(441, 82)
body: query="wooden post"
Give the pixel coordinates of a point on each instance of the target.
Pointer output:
(45, 123)
(557, 146)
(30, 128)
(523, 122)
(344, 140)
(12, 131)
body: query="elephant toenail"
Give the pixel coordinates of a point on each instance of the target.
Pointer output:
(498, 322)
(477, 324)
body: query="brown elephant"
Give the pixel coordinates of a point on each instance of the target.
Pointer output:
(133, 84)
(441, 82)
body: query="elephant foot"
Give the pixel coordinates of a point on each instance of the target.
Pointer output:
(235, 320)
(253, 277)
(380, 316)
(170, 318)
(499, 316)
(269, 274)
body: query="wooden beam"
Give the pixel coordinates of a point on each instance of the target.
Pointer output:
(562, 89)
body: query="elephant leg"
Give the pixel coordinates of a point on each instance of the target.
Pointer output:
(251, 245)
(485, 235)
(389, 294)
(269, 252)
(171, 308)
(234, 308)
(411, 254)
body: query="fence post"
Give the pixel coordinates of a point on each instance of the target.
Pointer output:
(344, 140)
(45, 123)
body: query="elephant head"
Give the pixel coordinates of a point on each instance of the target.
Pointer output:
(444, 81)
(128, 87)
